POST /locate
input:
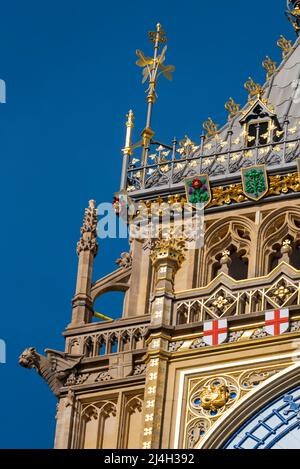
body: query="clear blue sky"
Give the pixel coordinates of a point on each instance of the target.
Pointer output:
(71, 77)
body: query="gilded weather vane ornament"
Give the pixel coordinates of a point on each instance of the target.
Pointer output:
(255, 90)
(152, 69)
(293, 14)
(285, 46)
(232, 108)
(269, 66)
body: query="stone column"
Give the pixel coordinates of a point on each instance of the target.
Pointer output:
(87, 248)
(167, 257)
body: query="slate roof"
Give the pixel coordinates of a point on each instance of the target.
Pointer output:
(223, 156)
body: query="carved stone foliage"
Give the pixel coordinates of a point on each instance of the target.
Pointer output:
(103, 376)
(75, 379)
(88, 240)
(251, 379)
(174, 346)
(208, 398)
(139, 369)
(125, 260)
(196, 429)
(55, 369)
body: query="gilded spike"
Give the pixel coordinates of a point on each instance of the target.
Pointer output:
(269, 66)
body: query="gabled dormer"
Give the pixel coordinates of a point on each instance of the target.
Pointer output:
(261, 125)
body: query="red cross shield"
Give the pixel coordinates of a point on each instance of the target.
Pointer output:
(215, 332)
(277, 322)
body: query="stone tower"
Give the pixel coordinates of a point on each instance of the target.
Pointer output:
(206, 354)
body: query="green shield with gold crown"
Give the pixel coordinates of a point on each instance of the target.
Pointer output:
(197, 189)
(255, 182)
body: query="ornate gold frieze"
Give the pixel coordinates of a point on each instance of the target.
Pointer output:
(226, 195)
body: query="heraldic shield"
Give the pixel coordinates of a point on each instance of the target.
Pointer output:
(197, 189)
(255, 181)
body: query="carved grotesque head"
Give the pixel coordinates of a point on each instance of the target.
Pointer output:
(29, 358)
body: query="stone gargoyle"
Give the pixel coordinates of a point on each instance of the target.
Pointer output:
(54, 368)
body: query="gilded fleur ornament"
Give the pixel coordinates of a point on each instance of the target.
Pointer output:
(282, 293)
(210, 127)
(285, 46)
(232, 108)
(255, 90)
(269, 66)
(220, 303)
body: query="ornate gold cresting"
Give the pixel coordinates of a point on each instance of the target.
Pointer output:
(210, 127)
(226, 195)
(285, 46)
(232, 108)
(255, 90)
(153, 67)
(269, 66)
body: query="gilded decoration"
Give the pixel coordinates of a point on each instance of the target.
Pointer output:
(285, 46)
(169, 248)
(269, 66)
(210, 397)
(227, 195)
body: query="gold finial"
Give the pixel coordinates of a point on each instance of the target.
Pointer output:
(232, 108)
(152, 69)
(128, 140)
(255, 90)
(130, 119)
(160, 31)
(269, 66)
(210, 127)
(285, 46)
